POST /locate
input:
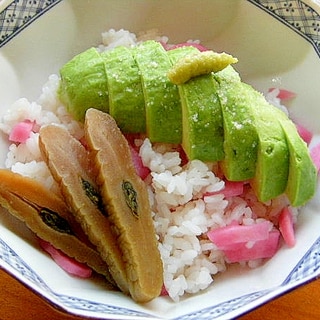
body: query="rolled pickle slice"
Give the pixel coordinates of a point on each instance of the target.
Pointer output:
(69, 164)
(49, 218)
(125, 196)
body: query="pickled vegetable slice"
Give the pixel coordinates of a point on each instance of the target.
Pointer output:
(68, 264)
(126, 199)
(48, 217)
(69, 164)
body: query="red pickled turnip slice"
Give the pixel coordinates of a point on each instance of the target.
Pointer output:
(227, 237)
(231, 189)
(21, 131)
(68, 264)
(284, 94)
(286, 226)
(315, 155)
(142, 171)
(164, 291)
(259, 250)
(304, 133)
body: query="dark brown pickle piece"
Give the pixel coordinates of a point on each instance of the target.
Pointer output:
(128, 207)
(130, 197)
(93, 195)
(70, 166)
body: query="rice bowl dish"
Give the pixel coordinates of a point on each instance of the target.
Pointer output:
(194, 191)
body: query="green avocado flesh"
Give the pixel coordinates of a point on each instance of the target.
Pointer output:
(162, 101)
(84, 84)
(272, 165)
(302, 178)
(216, 117)
(126, 100)
(202, 124)
(240, 132)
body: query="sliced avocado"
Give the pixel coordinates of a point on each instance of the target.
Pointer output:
(84, 84)
(273, 152)
(240, 131)
(126, 100)
(295, 176)
(202, 124)
(302, 178)
(162, 101)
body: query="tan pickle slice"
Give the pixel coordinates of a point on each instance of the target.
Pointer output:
(126, 198)
(69, 164)
(48, 217)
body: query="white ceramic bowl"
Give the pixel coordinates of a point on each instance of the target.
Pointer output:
(277, 43)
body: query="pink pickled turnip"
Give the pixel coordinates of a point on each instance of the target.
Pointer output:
(21, 131)
(183, 155)
(304, 133)
(284, 94)
(315, 155)
(164, 291)
(227, 237)
(142, 171)
(231, 189)
(261, 249)
(68, 264)
(286, 227)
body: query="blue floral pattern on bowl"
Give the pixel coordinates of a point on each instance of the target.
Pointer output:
(19, 14)
(297, 15)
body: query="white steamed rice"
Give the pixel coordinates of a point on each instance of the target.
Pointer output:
(182, 214)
